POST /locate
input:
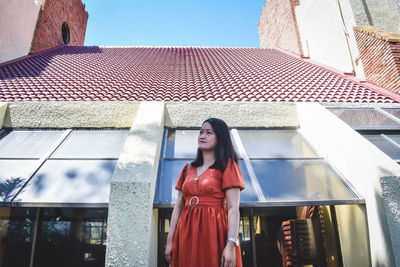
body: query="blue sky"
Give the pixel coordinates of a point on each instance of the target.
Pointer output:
(173, 22)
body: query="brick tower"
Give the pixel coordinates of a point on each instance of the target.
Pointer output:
(30, 26)
(60, 22)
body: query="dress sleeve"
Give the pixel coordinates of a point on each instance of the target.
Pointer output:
(232, 176)
(181, 178)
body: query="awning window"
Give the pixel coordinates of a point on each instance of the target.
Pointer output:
(279, 168)
(58, 167)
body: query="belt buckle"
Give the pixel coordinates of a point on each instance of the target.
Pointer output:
(197, 202)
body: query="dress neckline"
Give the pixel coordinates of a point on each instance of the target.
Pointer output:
(197, 175)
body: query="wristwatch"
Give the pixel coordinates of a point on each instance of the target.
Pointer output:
(234, 240)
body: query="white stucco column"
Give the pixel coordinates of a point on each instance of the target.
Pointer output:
(3, 109)
(132, 223)
(372, 173)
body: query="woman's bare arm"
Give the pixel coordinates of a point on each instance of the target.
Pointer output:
(180, 202)
(233, 200)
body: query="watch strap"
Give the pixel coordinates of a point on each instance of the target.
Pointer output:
(234, 240)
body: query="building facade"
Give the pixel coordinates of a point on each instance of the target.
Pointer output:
(92, 141)
(354, 37)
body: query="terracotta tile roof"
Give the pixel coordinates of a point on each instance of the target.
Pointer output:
(176, 74)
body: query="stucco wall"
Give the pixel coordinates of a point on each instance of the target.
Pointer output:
(322, 33)
(132, 222)
(70, 114)
(383, 14)
(17, 24)
(236, 114)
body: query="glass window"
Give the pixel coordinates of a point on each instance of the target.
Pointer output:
(275, 144)
(182, 144)
(386, 146)
(16, 235)
(70, 181)
(93, 144)
(71, 237)
(364, 118)
(169, 173)
(27, 144)
(299, 180)
(13, 175)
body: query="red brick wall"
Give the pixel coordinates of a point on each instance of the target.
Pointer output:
(52, 15)
(277, 26)
(380, 55)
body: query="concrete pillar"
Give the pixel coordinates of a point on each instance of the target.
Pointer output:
(372, 173)
(3, 109)
(132, 223)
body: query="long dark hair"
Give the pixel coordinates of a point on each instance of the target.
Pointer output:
(224, 150)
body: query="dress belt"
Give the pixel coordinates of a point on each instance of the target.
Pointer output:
(194, 201)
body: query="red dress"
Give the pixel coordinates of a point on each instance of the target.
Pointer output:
(201, 233)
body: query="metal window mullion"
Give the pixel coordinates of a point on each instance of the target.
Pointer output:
(43, 159)
(387, 114)
(249, 167)
(387, 138)
(35, 233)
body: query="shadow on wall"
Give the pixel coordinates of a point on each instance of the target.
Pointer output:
(36, 64)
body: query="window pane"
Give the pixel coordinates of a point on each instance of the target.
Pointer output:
(387, 147)
(71, 237)
(27, 144)
(275, 144)
(182, 144)
(92, 144)
(70, 181)
(299, 180)
(16, 235)
(359, 118)
(13, 175)
(168, 176)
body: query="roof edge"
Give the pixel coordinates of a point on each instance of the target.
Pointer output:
(355, 79)
(30, 55)
(172, 46)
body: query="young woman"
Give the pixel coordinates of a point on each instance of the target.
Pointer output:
(203, 229)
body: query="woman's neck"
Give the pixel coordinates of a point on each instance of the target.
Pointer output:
(208, 157)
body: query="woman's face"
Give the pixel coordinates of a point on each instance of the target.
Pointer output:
(207, 139)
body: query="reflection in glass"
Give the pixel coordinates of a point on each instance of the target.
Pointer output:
(275, 144)
(71, 237)
(13, 175)
(27, 144)
(387, 147)
(169, 174)
(299, 180)
(16, 236)
(364, 118)
(92, 144)
(70, 181)
(182, 144)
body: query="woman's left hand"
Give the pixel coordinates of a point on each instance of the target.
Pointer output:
(228, 258)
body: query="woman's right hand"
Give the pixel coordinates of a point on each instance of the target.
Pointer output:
(168, 252)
